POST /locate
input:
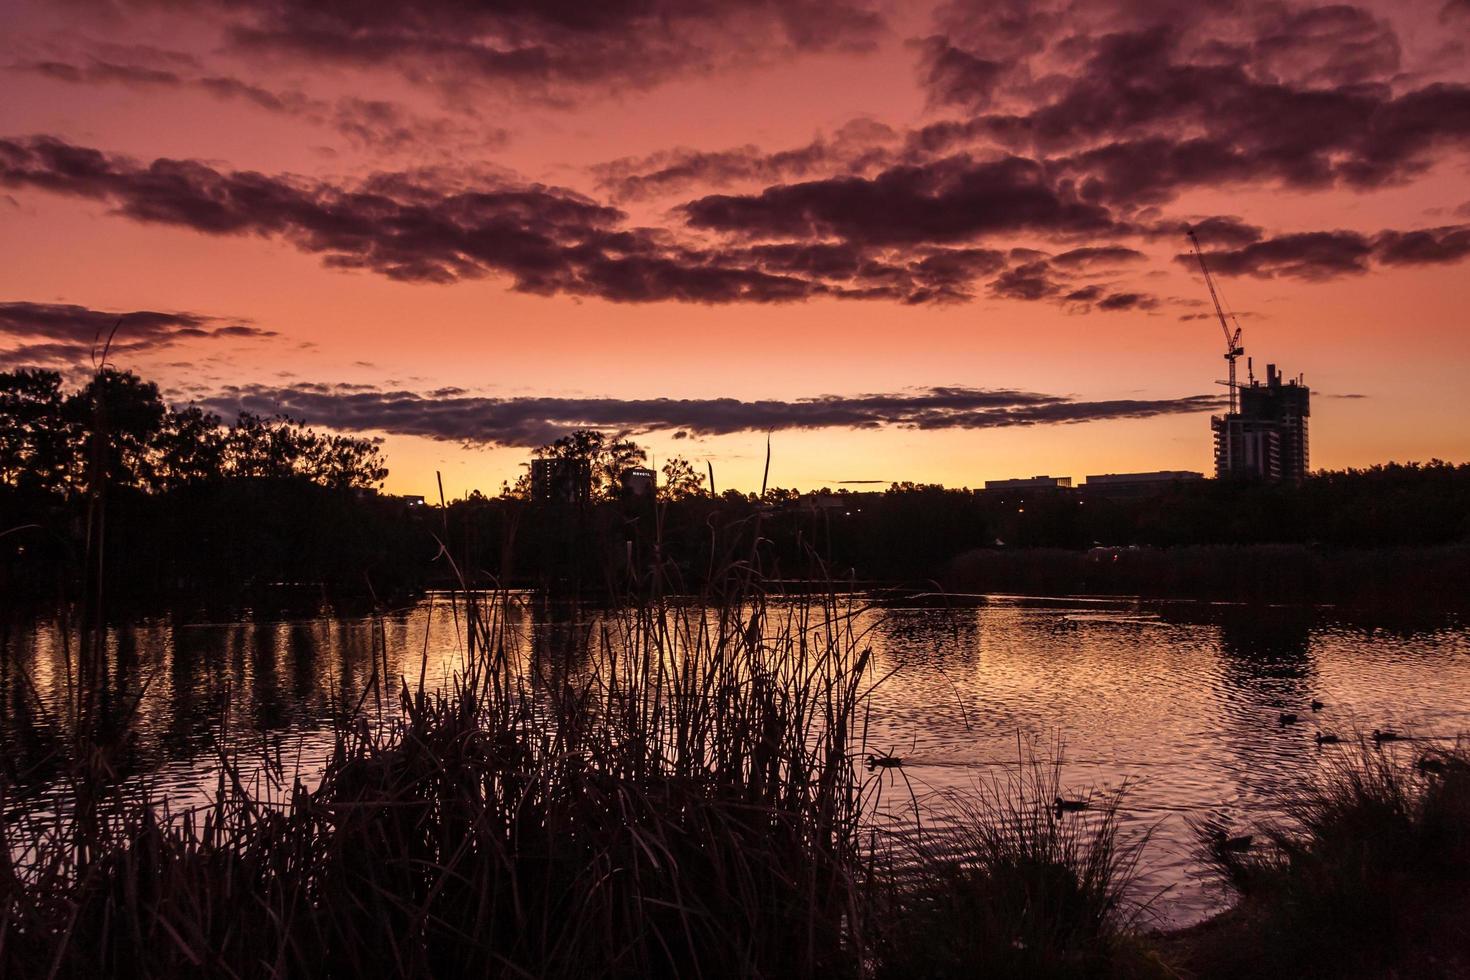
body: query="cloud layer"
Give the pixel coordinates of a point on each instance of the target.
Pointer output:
(67, 335)
(554, 50)
(433, 226)
(1072, 133)
(1316, 256)
(456, 415)
(377, 125)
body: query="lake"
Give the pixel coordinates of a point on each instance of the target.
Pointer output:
(1180, 701)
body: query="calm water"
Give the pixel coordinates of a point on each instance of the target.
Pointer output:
(1180, 701)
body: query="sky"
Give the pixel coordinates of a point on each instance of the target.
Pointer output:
(906, 241)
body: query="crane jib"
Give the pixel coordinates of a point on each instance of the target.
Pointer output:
(1233, 349)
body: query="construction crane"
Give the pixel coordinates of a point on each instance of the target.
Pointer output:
(1233, 350)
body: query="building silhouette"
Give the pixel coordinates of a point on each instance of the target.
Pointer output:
(1031, 483)
(1267, 438)
(638, 481)
(1123, 486)
(561, 480)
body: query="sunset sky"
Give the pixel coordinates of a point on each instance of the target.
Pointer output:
(940, 243)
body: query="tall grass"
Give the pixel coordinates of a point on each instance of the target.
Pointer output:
(675, 799)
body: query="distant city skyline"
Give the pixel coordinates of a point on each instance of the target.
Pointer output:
(938, 242)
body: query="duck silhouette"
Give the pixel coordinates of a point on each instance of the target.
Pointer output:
(1235, 845)
(1317, 705)
(1287, 718)
(1327, 738)
(1070, 806)
(1381, 735)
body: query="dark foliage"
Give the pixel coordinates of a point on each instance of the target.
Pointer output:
(191, 504)
(194, 506)
(1366, 877)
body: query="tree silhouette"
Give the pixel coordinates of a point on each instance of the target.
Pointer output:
(191, 448)
(47, 440)
(120, 417)
(35, 436)
(680, 480)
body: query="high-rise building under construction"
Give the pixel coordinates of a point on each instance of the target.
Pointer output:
(1267, 437)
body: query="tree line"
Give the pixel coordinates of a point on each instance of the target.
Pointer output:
(608, 458)
(117, 430)
(195, 505)
(177, 500)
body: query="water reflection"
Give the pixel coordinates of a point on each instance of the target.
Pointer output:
(1181, 702)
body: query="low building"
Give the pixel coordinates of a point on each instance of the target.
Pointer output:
(828, 503)
(1120, 486)
(1031, 483)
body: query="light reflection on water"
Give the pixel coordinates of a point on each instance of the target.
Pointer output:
(1179, 701)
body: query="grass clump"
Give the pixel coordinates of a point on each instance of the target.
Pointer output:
(1016, 888)
(1367, 876)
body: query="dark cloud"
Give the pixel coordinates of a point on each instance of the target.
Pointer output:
(1126, 301)
(548, 50)
(1092, 256)
(369, 123)
(951, 200)
(1309, 255)
(1336, 44)
(951, 270)
(1216, 231)
(1137, 101)
(1031, 281)
(1426, 246)
(1050, 279)
(954, 76)
(438, 225)
(100, 72)
(66, 321)
(68, 335)
(529, 421)
(856, 148)
(394, 225)
(1329, 254)
(391, 127)
(1234, 315)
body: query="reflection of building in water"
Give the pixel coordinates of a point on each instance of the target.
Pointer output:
(1122, 486)
(1267, 646)
(564, 640)
(1031, 483)
(1267, 438)
(638, 481)
(561, 480)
